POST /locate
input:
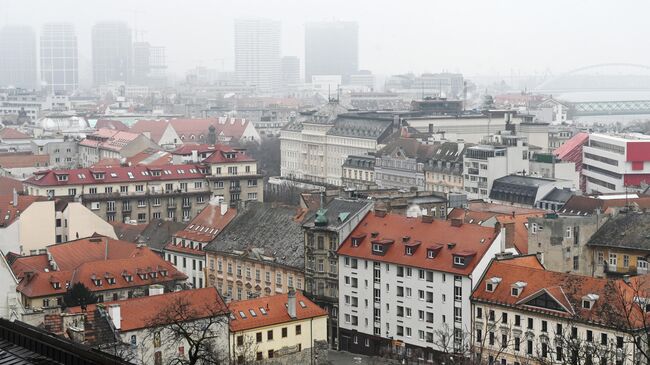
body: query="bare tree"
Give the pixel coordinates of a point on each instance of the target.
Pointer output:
(200, 329)
(632, 303)
(244, 349)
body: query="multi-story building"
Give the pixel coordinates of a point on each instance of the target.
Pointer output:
(59, 59)
(18, 57)
(359, 172)
(449, 85)
(111, 144)
(286, 326)
(290, 71)
(331, 48)
(324, 233)
(64, 153)
(142, 193)
(525, 314)
(149, 64)
(612, 163)
(109, 268)
(257, 53)
(234, 175)
(259, 253)
(444, 170)
(316, 149)
(549, 166)
(498, 156)
(112, 50)
(524, 191)
(405, 284)
(400, 164)
(621, 246)
(185, 250)
(471, 128)
(571, 152)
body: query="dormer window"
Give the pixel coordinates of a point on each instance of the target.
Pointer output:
(142, 275)
(491, 284)
(56, 285)
(97, 282)
(376, 247)
(62, 177)
(459, 260)
(163, 273)
(128, 278)
(111, 281)
(153, 274)
(99, 175)
(586, 304)
(430, 254)
(589, 300)
(355, 242)
(409, 250)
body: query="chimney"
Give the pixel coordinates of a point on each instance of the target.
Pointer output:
(427, 218)
(156, 289)
(224, 207)
(15, 198)
(380, 213)
(115, 314)
(291, 303)
(510, 234)
(456, 222)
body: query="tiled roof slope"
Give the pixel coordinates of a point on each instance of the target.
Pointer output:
(137, 313)
(625, 230)
(269, 227)
(397, 232)
(274, 311)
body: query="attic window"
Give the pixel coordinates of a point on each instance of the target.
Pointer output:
(376, 247)
(586, 304)
(589, 300)
(492, 284)
(409, 250)
(110, 280)
(459, 260)
(242, 315)
(99, 175)
(142, 275)
(62, 177)
(56, 285)
(430, 254)
(97, 282)
(163, 272)
(302, 304)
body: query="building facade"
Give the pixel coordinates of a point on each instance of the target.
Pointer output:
(257, 53)
(400, 164)
(406, 290)
(359, 172)
(112, 53)
(444, 171)
(18, 57)
(59, 58)
(331, 48)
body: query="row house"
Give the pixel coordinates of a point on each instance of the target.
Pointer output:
(109, 268)
(142, 193)
(401, 164)
(405, 284)
(323, 234)
(444, 171)
(111, 144)
(525, 314)
(259, 253)
(185, 250)
(359, 172)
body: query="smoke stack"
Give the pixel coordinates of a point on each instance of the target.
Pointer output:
(291, 303)
(15, 198)
(116, 316)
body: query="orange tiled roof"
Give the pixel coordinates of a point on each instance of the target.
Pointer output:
(566, 289)
(137, 313)
(7, 185)
(70, 255)
(15, 160)
(12, 133)
(9, 212)
(397, 231)
(519, 222)
(276, 311)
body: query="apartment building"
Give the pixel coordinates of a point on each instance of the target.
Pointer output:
(324, 232)
(133, 193)
(64, 153)
(109, 268)
(612, 163)
(444, 171)
(259, 253)
(111, 144)
(234, 176)
(185, 250)
(359, 172)
(405, 284)
(283, 326)
(400, 164)
(524, 314)
(497, 156)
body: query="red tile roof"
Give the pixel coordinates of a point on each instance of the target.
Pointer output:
(581, 204)
(84, 260)
(11, 133)
(155, 128)
(228, 127)
(9, 212)
(566, 289)
(111, 124)
(150, 157)
(117, 174)
(570, 149)
(228, 155)
(396, 230)
(188, 148)
(8, 184)
(276, 311)
(109, 139)
(17, 160)
(203, 228)
(519, 223)
(138, 313)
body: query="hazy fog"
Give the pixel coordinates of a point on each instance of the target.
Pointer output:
(473, 37)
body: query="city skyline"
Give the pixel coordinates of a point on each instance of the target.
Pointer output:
(382, 49)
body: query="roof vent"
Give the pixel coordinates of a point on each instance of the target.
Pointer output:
(406, 238)
(456, 222)
(451, 245)
(380, 213)
(374, 234)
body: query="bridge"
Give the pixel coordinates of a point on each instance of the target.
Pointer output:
(596, 108)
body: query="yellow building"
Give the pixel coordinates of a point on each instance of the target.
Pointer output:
(276, 326)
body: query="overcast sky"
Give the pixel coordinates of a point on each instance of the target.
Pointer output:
(473, 37)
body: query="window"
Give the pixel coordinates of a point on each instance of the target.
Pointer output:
(530, 323)
(479, 335)
(284, 332)
(298, 329)
(269, 335)
(258, 337)
(517, 320)
(517, 343)
(479, 312)
(544, 326)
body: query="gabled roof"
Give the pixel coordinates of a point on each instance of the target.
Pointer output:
(155, 128)
(8, 184)
(225, 154)
(150, 157)
(571, 146)
(117, 174)
(567, 290)
(127, 232)
(11, 133)
(583, 205)
(158, 233)
(409, 148)
(229, 127)
(451, 240)
(270, 311)
(204, 227)
(111, 124)
(17, 160)
(72, 254)
(9, 212)
(625, 230)
(109, 139)
(138, 313)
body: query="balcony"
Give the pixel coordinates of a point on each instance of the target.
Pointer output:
(138, 194)
(472, 171)
(235, 189)
(126, 209)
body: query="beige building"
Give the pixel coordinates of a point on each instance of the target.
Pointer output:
(259, 253)
(112, 144)
(276, 327)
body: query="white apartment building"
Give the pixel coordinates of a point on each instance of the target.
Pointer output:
(524, 314)
(499, 155)
(613, 162)
(405, 284)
